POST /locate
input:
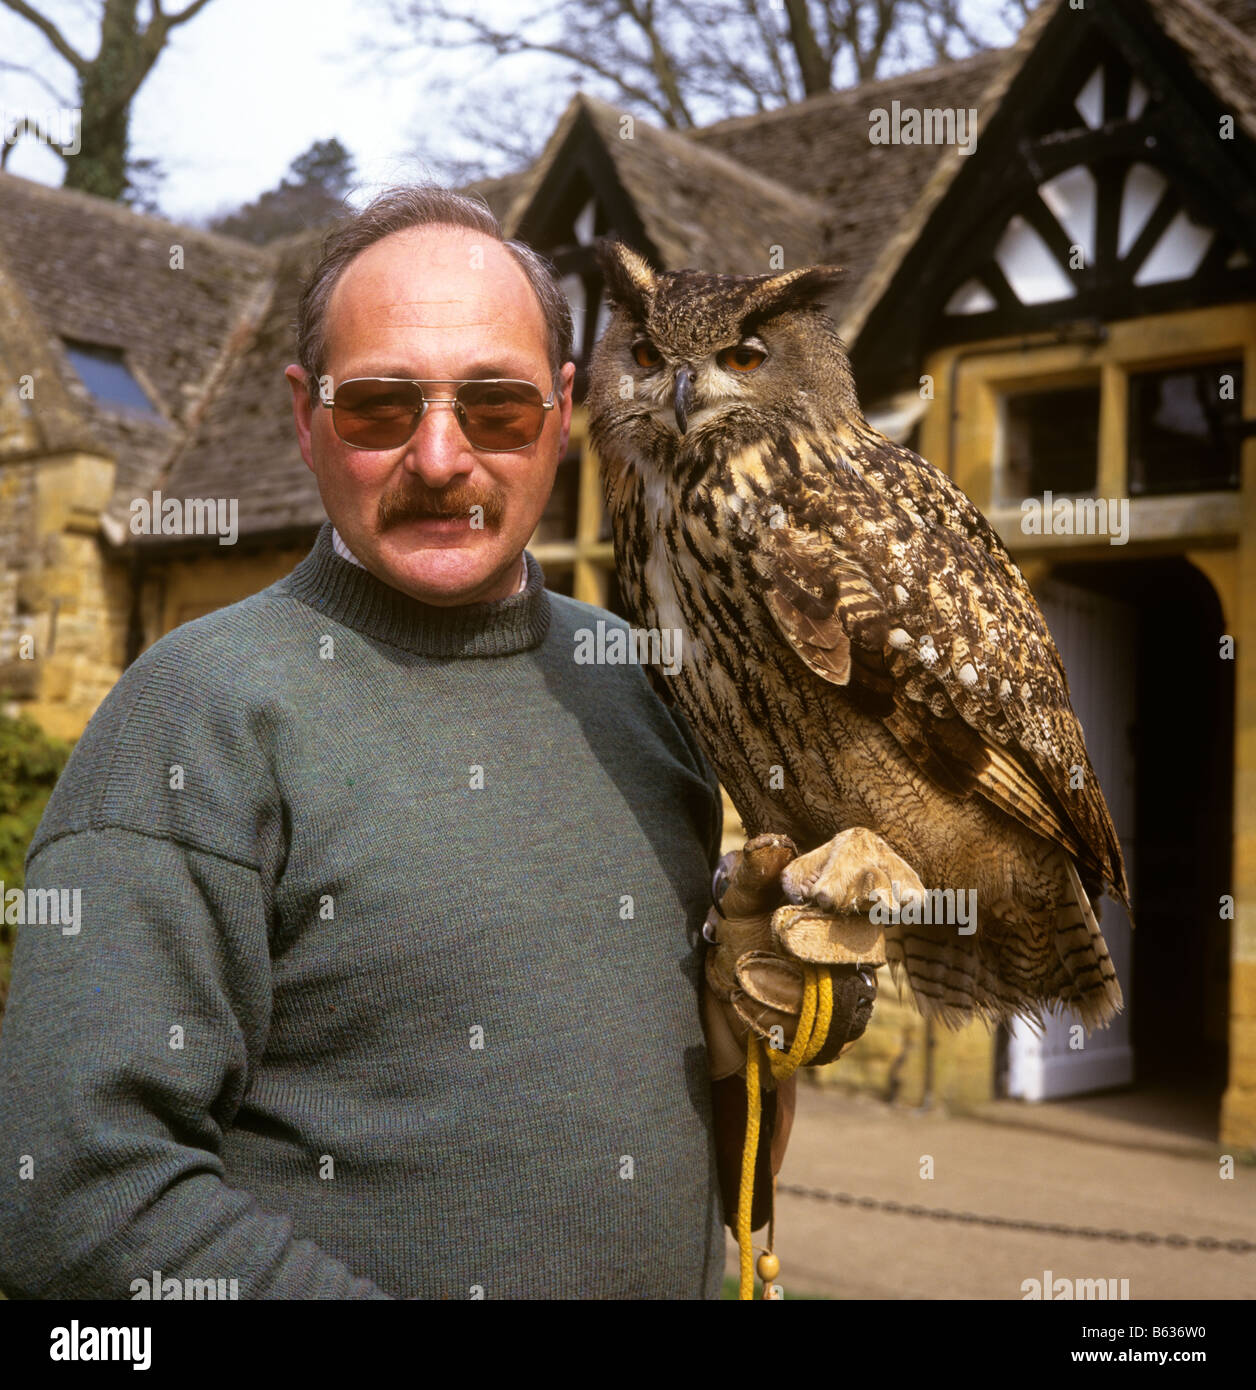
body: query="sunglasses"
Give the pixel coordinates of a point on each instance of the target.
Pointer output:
(375, 412)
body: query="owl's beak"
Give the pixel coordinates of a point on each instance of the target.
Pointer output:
(683, 399)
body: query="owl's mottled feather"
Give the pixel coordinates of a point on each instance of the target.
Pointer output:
(984, 705)
(860, 648)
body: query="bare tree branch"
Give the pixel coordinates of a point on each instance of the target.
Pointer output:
(660, 63)
(36, 76)
(685, 62)
(505, 43)
(188, 13)
(870, 58)
(50, 31)
(770, 42)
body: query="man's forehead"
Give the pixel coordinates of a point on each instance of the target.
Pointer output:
(450, 282)
(436, 274)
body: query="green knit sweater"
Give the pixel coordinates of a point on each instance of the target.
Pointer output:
(386, 977)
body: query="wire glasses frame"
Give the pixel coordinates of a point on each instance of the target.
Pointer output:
(498, 415)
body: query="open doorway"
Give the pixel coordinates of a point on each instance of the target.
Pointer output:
(1178, 821)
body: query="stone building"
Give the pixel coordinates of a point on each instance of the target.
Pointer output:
(1050, 293)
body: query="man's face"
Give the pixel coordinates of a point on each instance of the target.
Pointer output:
(430, 304)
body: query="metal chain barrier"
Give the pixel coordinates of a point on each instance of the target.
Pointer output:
(1055, 1228)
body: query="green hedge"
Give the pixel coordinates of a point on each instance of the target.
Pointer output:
(30, 763)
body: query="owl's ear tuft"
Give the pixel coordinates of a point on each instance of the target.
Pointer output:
(630, 280)
(811, 287)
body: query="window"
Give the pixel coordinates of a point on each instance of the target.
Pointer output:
(1050, 442)
(1184, 429)
(103, 370)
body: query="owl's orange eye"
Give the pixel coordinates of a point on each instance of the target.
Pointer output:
(741, 358)
(646, 354)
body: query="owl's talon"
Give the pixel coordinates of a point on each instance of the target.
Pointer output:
(850, 874)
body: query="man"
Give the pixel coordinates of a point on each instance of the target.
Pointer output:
(387, 978)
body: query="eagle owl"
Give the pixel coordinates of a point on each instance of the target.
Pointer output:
(863, 661)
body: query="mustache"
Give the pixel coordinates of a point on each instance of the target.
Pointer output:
(417, 502)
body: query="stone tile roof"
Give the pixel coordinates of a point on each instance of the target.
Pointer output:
(1240, 13)
(208, 343)
(821, 147)
(245, 446)
(1220, 45)
(96, 271)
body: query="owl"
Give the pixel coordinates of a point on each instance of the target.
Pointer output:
(863, 661)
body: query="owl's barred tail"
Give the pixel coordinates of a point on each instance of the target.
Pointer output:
(952, 983)
(1096, 992)
(955, 979)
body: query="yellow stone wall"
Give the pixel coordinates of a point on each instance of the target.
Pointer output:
(69, 597)
(177, 591)
(1238, 1106)
(891, 1059)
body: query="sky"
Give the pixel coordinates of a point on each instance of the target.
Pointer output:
(248, 85)
(240, 91)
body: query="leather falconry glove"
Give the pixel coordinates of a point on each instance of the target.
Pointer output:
(754, 981)
(754, 968)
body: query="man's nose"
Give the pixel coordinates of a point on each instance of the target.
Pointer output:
(438, 450)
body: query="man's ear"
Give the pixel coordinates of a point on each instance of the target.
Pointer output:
(566, 379)
(302, 411)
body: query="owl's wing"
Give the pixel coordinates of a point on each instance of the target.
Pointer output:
(884, 578)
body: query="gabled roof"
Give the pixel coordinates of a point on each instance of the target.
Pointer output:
(696, 205)
(208, 343)
(93, 270)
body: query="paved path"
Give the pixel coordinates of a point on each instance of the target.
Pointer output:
(1044, 1163)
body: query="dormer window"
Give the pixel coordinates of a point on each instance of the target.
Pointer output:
(108, 379)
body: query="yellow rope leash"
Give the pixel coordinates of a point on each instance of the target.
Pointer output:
(809, 1038)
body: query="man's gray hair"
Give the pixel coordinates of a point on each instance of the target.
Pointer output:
(399, 210)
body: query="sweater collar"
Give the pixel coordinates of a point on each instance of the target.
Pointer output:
(341, 549)
(352, 595)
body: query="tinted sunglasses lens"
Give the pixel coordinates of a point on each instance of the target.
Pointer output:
(501, 414)
(376, 414)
